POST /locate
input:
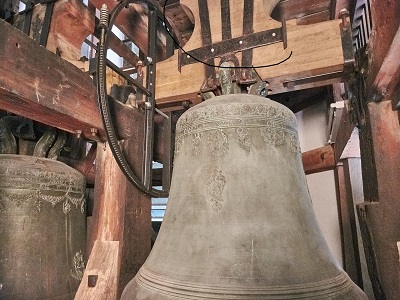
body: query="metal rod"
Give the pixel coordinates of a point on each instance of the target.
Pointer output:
(128, 78)
(104, 105)
(150, 101)
(168, 152)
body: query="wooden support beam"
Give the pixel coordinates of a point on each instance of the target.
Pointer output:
(121, 212)
(345, 128)
(343, 122)
(351, 254)
(318, 160)
(132, 21)
(316, 52)
(67, 40)
(379, 142)
(383, 48)
(39, 85)
(387, 81)
(100, 280)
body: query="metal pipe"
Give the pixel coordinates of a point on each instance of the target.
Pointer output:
(132, 81)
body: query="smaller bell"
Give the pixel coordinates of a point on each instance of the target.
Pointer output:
(239, 222)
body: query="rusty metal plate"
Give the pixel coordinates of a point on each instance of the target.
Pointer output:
(246, 42)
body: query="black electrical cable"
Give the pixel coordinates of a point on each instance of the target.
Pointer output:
(106, 26)
(215, 66)
(104, 105)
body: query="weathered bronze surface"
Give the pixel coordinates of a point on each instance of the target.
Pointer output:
(239, 222)
(42, 228)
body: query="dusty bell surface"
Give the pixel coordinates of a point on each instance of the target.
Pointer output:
(42, 228)
(239, 222)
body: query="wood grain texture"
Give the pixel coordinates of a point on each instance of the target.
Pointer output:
(379, 141)
(121, 212)
(71, 23)
(39, 85)
(318, 160)
(103, 262)
(387, 80)
(385, 21)
(316, 50)
(348, 222)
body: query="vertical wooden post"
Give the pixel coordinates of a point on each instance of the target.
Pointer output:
(121, 212)
(351, 257)
(379, 215)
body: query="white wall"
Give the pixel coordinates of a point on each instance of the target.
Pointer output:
(312, 129)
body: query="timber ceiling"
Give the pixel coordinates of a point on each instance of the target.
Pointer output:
(132, 22)
(303, 11)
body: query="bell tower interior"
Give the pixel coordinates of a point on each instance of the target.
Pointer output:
(121, 118)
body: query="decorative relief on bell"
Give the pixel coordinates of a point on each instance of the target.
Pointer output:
(244, 138)
(27, 185)
(78, 266)
(37, 205)
(218, 143)
(215, 187)
(246, 229)
(215, 123)
(273, 134)
(41, 203)
(196, 142)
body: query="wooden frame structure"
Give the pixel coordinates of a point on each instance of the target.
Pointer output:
(40, 85)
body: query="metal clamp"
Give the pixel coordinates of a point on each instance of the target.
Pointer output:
(233, 45)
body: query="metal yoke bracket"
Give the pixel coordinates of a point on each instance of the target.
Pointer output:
(233, 45)
(228, 47)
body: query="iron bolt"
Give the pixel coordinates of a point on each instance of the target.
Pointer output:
(78, 133)
(92, 280)
(344, 13)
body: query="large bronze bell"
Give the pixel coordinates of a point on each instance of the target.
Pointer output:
(239, 222)
(42, 228)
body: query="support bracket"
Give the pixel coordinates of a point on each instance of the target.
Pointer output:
(233, 45)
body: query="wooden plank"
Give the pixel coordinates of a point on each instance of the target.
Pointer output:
(295, 9)
(100, 280)
(39, 85)
(318, 160)
(316, 50)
